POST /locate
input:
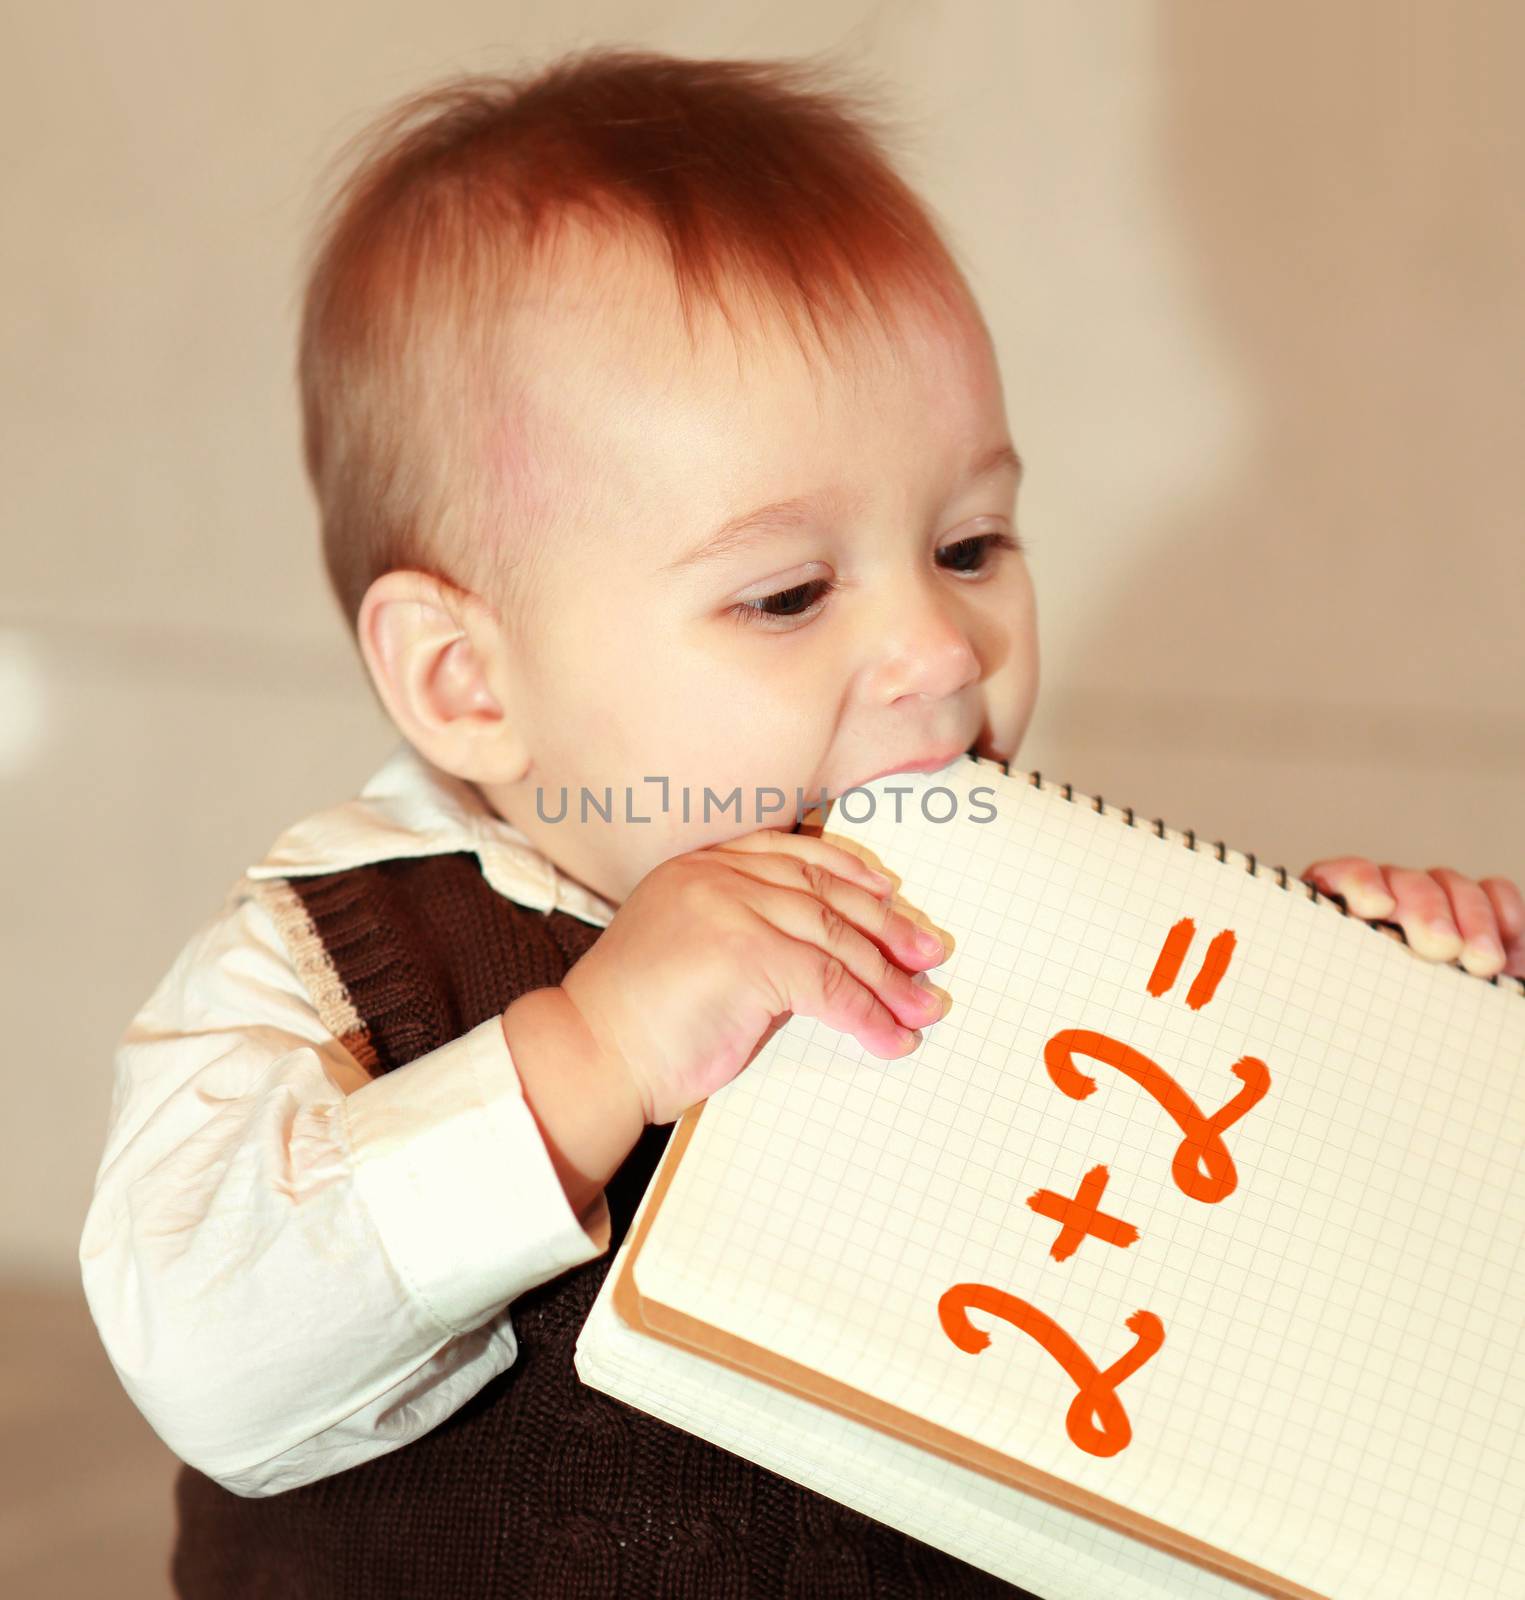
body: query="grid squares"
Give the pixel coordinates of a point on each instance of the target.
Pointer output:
(831, 1192)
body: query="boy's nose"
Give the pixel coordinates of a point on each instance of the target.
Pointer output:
(926, 647)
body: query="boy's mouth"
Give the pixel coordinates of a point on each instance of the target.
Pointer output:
(934, 762)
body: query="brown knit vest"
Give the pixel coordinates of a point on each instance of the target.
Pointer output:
(538, 1486)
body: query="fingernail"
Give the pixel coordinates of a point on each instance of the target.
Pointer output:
(937, 1003)
(882, 881)
(1485, 953)
(929, 944)
(1443, 939)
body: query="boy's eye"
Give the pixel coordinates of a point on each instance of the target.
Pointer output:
(786, 605)
(977, 548)
(789, 605)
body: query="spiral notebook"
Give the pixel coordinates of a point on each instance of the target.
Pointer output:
(1185, 1256)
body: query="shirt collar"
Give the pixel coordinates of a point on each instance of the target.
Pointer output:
(412, 808)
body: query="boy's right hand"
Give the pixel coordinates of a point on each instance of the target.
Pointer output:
(714, 948)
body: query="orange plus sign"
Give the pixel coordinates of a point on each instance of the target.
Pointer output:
(1080, 1217)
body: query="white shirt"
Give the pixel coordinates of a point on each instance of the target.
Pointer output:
(295, 1267)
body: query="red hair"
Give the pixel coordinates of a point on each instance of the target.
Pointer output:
(765, 176)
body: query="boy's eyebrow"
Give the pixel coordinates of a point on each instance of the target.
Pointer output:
(739, 532)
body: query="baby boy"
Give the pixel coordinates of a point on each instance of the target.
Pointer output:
(660, 451)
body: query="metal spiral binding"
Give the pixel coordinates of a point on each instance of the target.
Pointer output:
(1242, 858)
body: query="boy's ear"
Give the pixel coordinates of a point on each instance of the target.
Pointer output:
(435, 653)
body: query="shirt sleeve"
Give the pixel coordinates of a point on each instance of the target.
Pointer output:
(295, 1267)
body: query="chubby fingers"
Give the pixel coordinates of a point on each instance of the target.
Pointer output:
(1359, 882)
(874, 915)
(1445, 915)
(850, 955)
(847, 959)
(1469, 911)
(1509, 913)
(814, 865)
(810, 847)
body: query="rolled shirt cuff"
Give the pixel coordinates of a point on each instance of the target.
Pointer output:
(457, 1177)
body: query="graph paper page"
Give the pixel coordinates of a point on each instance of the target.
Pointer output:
(1326, 1298)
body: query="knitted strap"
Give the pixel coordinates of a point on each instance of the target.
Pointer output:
(312, 964)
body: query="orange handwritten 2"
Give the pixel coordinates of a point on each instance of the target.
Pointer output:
(1202, 1168)
(1095, 1390)
(1080, 1216)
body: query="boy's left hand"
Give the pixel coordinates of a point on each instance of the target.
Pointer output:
(1444, 915)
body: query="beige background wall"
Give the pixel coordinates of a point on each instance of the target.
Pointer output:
(1254, 274)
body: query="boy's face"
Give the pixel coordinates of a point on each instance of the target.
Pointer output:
(820, 649)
